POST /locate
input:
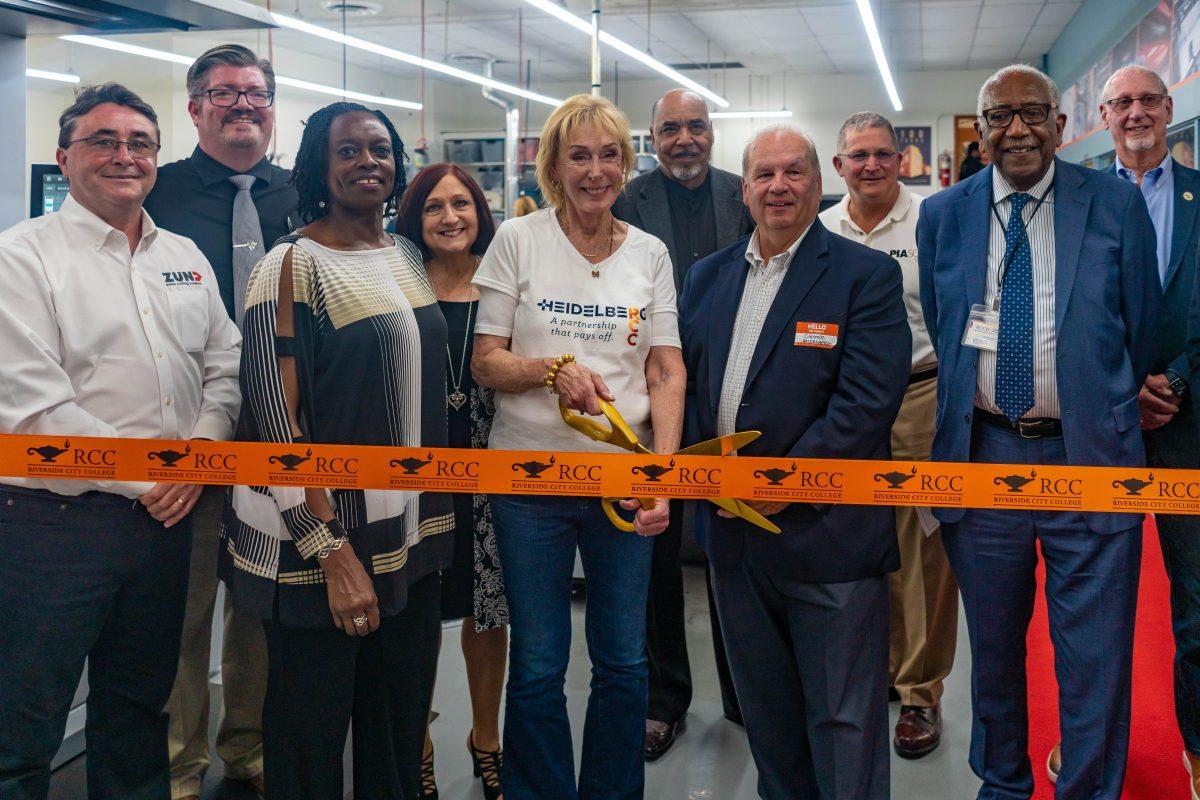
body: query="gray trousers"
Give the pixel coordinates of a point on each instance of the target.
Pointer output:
(810, 664)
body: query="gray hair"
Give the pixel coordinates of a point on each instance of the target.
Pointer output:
(776, 130)
(88, 97)
(1160, 85)
(985, 91)
(229, 55)
(863, 120)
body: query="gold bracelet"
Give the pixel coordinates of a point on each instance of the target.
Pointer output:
(552, 374)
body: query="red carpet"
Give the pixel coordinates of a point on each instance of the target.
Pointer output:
(1155, 748)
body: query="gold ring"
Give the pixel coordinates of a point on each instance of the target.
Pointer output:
(360, 621)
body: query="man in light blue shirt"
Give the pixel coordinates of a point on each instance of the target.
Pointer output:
(1158, 187)
(1137, 110)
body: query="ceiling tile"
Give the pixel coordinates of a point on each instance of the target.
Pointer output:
(1013, 37)
(832, 21)
(947, 18)
(1057, 14)
(1004, 16)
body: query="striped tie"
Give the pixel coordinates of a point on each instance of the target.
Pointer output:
(1014, 353)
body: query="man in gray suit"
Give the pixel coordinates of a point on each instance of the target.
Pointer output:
(695, 209)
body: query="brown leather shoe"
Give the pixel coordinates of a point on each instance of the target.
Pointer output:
(659, 738)
(918, 732)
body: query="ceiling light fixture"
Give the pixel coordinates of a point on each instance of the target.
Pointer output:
(748, 114)
(868, 18)
(607, 38)
(51, 76)
(295, 83)
(409, 58)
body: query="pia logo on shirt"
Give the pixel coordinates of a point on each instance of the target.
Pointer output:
(181, 278)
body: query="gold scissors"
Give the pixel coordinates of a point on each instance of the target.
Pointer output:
(621, 435)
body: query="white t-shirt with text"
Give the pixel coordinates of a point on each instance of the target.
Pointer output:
(538, 291)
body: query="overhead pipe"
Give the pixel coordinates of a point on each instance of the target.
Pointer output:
(596, 47)
(512, 139)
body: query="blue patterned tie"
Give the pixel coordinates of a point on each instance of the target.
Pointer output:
(1014, 353)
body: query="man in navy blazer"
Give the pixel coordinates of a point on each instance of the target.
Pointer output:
(1040, 291)
(803, 335)
(1137, 109)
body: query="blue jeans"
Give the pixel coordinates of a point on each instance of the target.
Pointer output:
(537, 537)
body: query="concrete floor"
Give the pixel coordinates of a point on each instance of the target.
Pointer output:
(710, 761)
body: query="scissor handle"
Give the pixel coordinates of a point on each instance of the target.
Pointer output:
(609, 504)
(619, 434)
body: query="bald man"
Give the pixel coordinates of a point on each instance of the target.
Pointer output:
(695, 209)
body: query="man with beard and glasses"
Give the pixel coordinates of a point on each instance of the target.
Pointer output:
(1137, 110)
(695, 209)
(233, 203)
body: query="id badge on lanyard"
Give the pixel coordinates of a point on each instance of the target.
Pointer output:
(983, 328)
(983, 323)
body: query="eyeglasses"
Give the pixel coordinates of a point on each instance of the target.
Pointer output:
(224, 98)
(861, 157)
(1032, 114)
(1149, 102)
(138, 148)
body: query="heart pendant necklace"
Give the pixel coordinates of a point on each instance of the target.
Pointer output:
(456, 398)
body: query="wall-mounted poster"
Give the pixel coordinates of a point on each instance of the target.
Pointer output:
(1187, 39)
(1181, 142)
(916, 142)
(1154, 39)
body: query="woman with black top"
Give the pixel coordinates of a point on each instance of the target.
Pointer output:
(344, 344)
(445, 213)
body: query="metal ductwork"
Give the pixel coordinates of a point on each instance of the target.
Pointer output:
(23, 18)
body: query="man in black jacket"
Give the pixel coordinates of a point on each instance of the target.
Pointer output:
(233, 203)
(695, 209)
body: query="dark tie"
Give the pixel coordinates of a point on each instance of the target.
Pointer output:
(1014, 353)
(247, 242)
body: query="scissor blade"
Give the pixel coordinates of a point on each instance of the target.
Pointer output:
(720, 446)
(740, 509)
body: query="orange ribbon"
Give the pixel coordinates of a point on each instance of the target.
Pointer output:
(892, 483)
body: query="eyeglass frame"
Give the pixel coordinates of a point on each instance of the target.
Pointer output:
(1162, 98)
(238, 96)
(154, 146)
(1017, 112)
(866, 156)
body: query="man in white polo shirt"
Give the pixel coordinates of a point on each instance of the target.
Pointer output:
(880, 212)
(109, 327)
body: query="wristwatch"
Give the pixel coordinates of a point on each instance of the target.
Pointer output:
(1177, 383)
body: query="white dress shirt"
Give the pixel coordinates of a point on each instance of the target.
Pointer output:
(96, 341)
(1040, 229)
(762, 285)
(896, 235)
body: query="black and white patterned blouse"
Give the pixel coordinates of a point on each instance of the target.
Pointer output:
(369, 344)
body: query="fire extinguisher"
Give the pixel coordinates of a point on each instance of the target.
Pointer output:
(944, 168)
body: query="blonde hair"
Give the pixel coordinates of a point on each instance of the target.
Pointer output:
(574, 113)
(524, 205)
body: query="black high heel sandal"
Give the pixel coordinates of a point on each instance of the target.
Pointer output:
(429, 790)
(487, 768)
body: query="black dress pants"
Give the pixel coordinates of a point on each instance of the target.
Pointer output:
(666, 640)
(91, 577)
(1176, 445)
(319, 679)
